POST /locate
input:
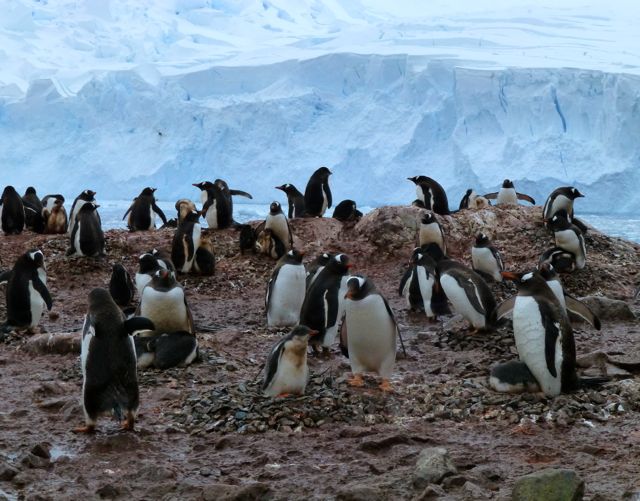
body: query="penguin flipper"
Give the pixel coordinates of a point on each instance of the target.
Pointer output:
(241, 193)
(158, 211)
(173, 349)
(403, 282)
(290, 211)
(39, 286)
(273, 360)
(329, 198)
(497, 256)
(505, 307)
(581, 226)
(344, 339)
(290, 234)
(551, 334)
(5, 276)
(134, 324)
(270, 284)
(128, 211)
(470, 291)
(491, 196)
(395, 324)
(582, 310)
(526, 198)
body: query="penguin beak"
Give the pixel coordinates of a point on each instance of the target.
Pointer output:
(349, 266)
(510, 275)
(348, 295)
(313, 333)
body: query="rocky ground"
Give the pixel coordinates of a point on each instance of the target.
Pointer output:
(205, 432)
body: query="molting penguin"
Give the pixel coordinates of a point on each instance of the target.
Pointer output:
(33, 210)
(560, 198)
(110, 381)
(431, 232)
(85, 197)
(295, 200)
(247, 239)
(55, 216)
(205, 261)
(142, 212)
(468, 293)
(186, 242)
(269, 244)
(87, 237)
(317, 195)
(323, 305)
(277, 222)
(121, 286)
(569, 237)
(183, 207)
(486, 259)
(508, 195)
(421, 288)
(371, 332)
(431, 194)
(347, 211)
(286, 371)
(27, 293)
(285, 291)
(316, 266)
(12, 217)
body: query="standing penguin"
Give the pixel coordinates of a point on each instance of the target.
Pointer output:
(468, 293)
(110, 380)
(569, 237)
(560, 198)
(205, 261)
(148, 264)
(371, 332)
(468, 199)
(317, 195)
(431, 194)
(164, 303)
(142, 212)
(295, 200)
(121, 286)
(486, 259)
(316, 266)
(421, 288)
(87, 196)
(217, 206)
(323, 304)
(33, 210)
(27, 293)
(277, 222)
(55, 217)
(186, 242)
(183, 207)
(286, 371)
(87, 237)
(285, 291)
(508, 195)
(431, 232)
(268, 243)
(12, 217)
(347, 211)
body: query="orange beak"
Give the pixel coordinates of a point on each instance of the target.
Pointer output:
(510, 275)
(313, 333)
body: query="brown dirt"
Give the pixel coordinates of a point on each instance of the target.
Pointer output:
(337, 442)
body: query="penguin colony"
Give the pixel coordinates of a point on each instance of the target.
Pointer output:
(323, 302)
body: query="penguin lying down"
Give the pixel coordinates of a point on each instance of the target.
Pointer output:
(163, 351)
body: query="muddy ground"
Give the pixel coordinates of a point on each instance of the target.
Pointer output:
(206, 433)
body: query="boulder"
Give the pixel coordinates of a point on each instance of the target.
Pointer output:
(549, 485)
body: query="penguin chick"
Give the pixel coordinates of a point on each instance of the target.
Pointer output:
(486, 258)
(205, 261)
(183, 207)
(286, 290)
(121, 286)
(569, 237)
(269, 244)
(347, 211)
(186, 242)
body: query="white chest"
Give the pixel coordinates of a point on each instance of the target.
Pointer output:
(37, 305)
(507, 196)
(291, 375)
(484, 260)
(461, 303)
(167, 310)
(278, 224)
(287, 296)
(431, 233)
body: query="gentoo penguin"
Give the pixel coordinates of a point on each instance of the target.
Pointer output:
(164, 259)
(467, 199)
(295, 200)
(562, 261)
(323, 305)
(316, 266)
(560, 198)
(569, 237)
(421, 288)
(347, 211)
(277, 222)
(205, 261)
(269, 244)
(513, 377)
(468, 293)
(247, 239)
(108, 355)
(431, 232)
(508, 195)
(84, 197)
(148, 264)
(166, 350)
(87, 237)
(371, 332)
(317, 195)
(121, 286)
(486, 259)
(12, 212)
(164, 303)
(431, 194)
(55, 217)
(217, 206)
(142, 212)
(285, 291)
(48, 201)
(27, 293)
(186, 242)
(183, 207)
(286, 371)
(32, 210)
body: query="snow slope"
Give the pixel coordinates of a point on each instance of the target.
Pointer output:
(120, 95)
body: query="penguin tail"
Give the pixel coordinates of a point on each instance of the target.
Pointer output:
(117, 412)
(592, 382)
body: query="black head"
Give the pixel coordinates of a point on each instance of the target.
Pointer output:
(33, 258)
(9, 190)
(302, 332)
(164, 279)
(428, 218)
(528, 283)
(434, 251)
(30, 191)
(418, 179)
(275, 208)
(147, 263)
(482, 240)
(507, 184)
(204, 185)
(98, 298)
(560, 220)
(418, 203)
(358, 287)
(221, 184)
(119, 271)
(322, 173)
(87, 195)
(148, 192)
(573, 193)
(191, 217)
(284, 187)
(548, 272)
(89, 207)
(340, 264)
(293, 256)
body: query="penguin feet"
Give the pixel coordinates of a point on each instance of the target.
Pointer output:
(385, 386)
(356, 381)
(85, 429)
(283, 395)
(128, 424)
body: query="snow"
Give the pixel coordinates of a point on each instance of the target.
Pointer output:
(118, 95)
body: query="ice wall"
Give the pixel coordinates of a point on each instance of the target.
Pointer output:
(374, 120)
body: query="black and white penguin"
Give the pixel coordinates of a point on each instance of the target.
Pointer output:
(569, 237)
(164, 259)
(247, 238)
(108, 355)
(33, 210)
(286, 371)
(295, 200)
(55, 216)
(121, 286)
(12, 214)
(85, 197)
(286, 290)
(186, 242)
(166, 350)
(421, 288)
(87, 237)
(147, 266)
(323, 305)
(27, 293)
(347, 210)
(430, 231)
(142, 212)
(431, 194)
(562, 261)
(508, 195)
(467, 199)
(468, 293)
(559, 199)
(371, 332)
(317, 195)
(205, 261)
(217, 208)
(277, 222)
(486, 259)
(316, 266)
